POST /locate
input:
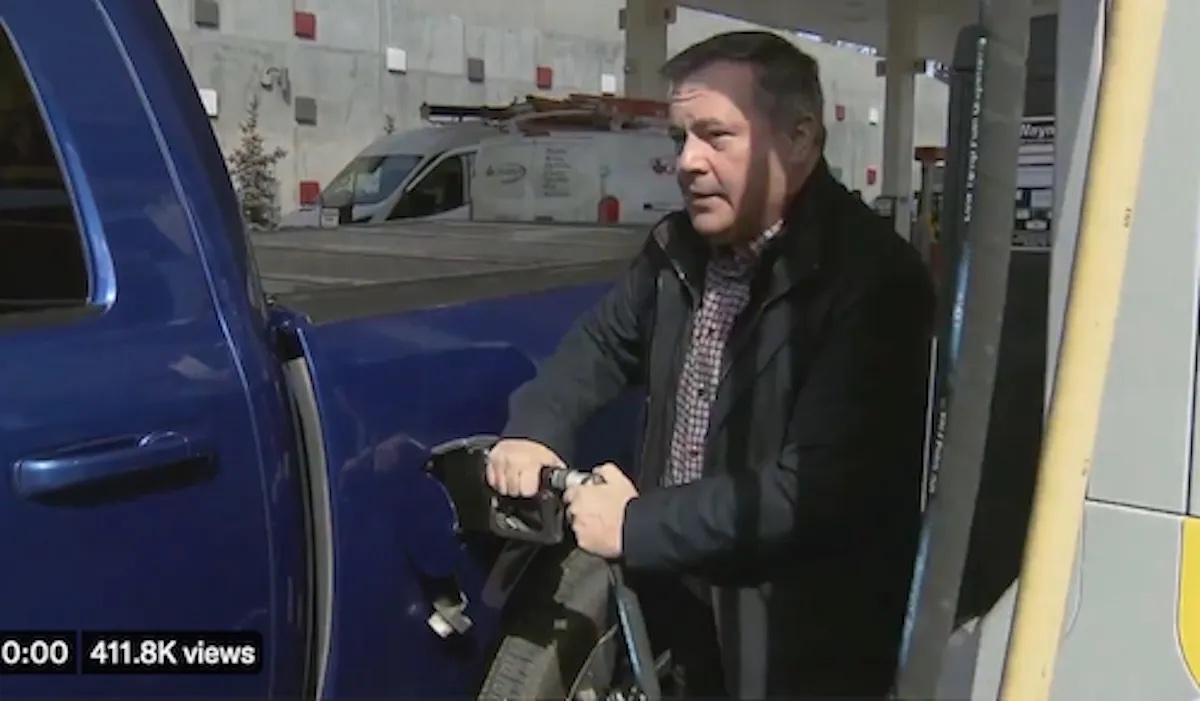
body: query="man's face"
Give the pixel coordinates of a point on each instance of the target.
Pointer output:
(732, 165)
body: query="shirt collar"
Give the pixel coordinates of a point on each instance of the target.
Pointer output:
(755, 248)
(740, 258)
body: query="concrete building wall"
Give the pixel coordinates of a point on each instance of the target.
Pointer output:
(343, 69)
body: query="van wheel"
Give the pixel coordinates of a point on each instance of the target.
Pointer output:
(562, 644)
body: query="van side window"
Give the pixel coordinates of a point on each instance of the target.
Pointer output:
(42, 262)
(440, 190)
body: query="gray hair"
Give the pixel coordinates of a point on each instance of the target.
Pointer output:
(789, 80)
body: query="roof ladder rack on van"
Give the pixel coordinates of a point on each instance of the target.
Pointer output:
(576, 111)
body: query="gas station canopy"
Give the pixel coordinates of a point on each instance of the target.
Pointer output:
(862, 21)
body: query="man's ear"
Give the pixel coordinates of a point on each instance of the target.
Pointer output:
(805, 139)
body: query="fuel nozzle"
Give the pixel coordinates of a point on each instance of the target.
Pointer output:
(560, 479)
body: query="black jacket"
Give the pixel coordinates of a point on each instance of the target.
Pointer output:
(807, 518)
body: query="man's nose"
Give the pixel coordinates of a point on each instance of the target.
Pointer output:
(691, 157)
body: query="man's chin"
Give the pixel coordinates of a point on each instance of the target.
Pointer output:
(711, 226)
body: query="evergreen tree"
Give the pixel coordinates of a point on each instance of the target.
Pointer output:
(253, 171)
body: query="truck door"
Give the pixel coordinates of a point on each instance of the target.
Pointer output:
(439, 193)
(135, 496)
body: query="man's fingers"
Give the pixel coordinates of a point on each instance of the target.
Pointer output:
(491, 474)
(529, 478)
(512, 481)
(497, 475)
(514, 467)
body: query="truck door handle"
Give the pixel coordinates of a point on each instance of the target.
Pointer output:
(96, 462)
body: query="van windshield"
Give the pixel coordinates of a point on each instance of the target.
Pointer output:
(368, 179)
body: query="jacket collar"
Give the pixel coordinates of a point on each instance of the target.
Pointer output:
(791, 255)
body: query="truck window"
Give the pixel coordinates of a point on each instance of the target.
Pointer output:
(42, 263)
(441, 189)
(369, 179)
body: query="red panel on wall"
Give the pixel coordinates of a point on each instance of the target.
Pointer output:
(545, 77)
(839, 112)
(872, 175)
(310, 192)
(305, 25)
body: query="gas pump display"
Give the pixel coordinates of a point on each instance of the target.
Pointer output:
(1035, 185)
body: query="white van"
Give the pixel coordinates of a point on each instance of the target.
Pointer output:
(422, 173)
(625, 177)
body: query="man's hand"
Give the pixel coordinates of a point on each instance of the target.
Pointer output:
(597, 511)
(514, 467)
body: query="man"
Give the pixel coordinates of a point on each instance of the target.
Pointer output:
(781, 331)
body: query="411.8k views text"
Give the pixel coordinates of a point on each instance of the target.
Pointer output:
(165, 652)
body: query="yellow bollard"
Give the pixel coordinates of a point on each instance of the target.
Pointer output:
(1123, 110)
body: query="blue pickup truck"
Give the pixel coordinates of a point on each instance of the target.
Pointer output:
(209, 430)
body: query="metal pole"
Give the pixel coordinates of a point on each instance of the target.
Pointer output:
(1126, 86)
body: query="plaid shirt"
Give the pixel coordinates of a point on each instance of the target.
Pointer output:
(726, 293)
